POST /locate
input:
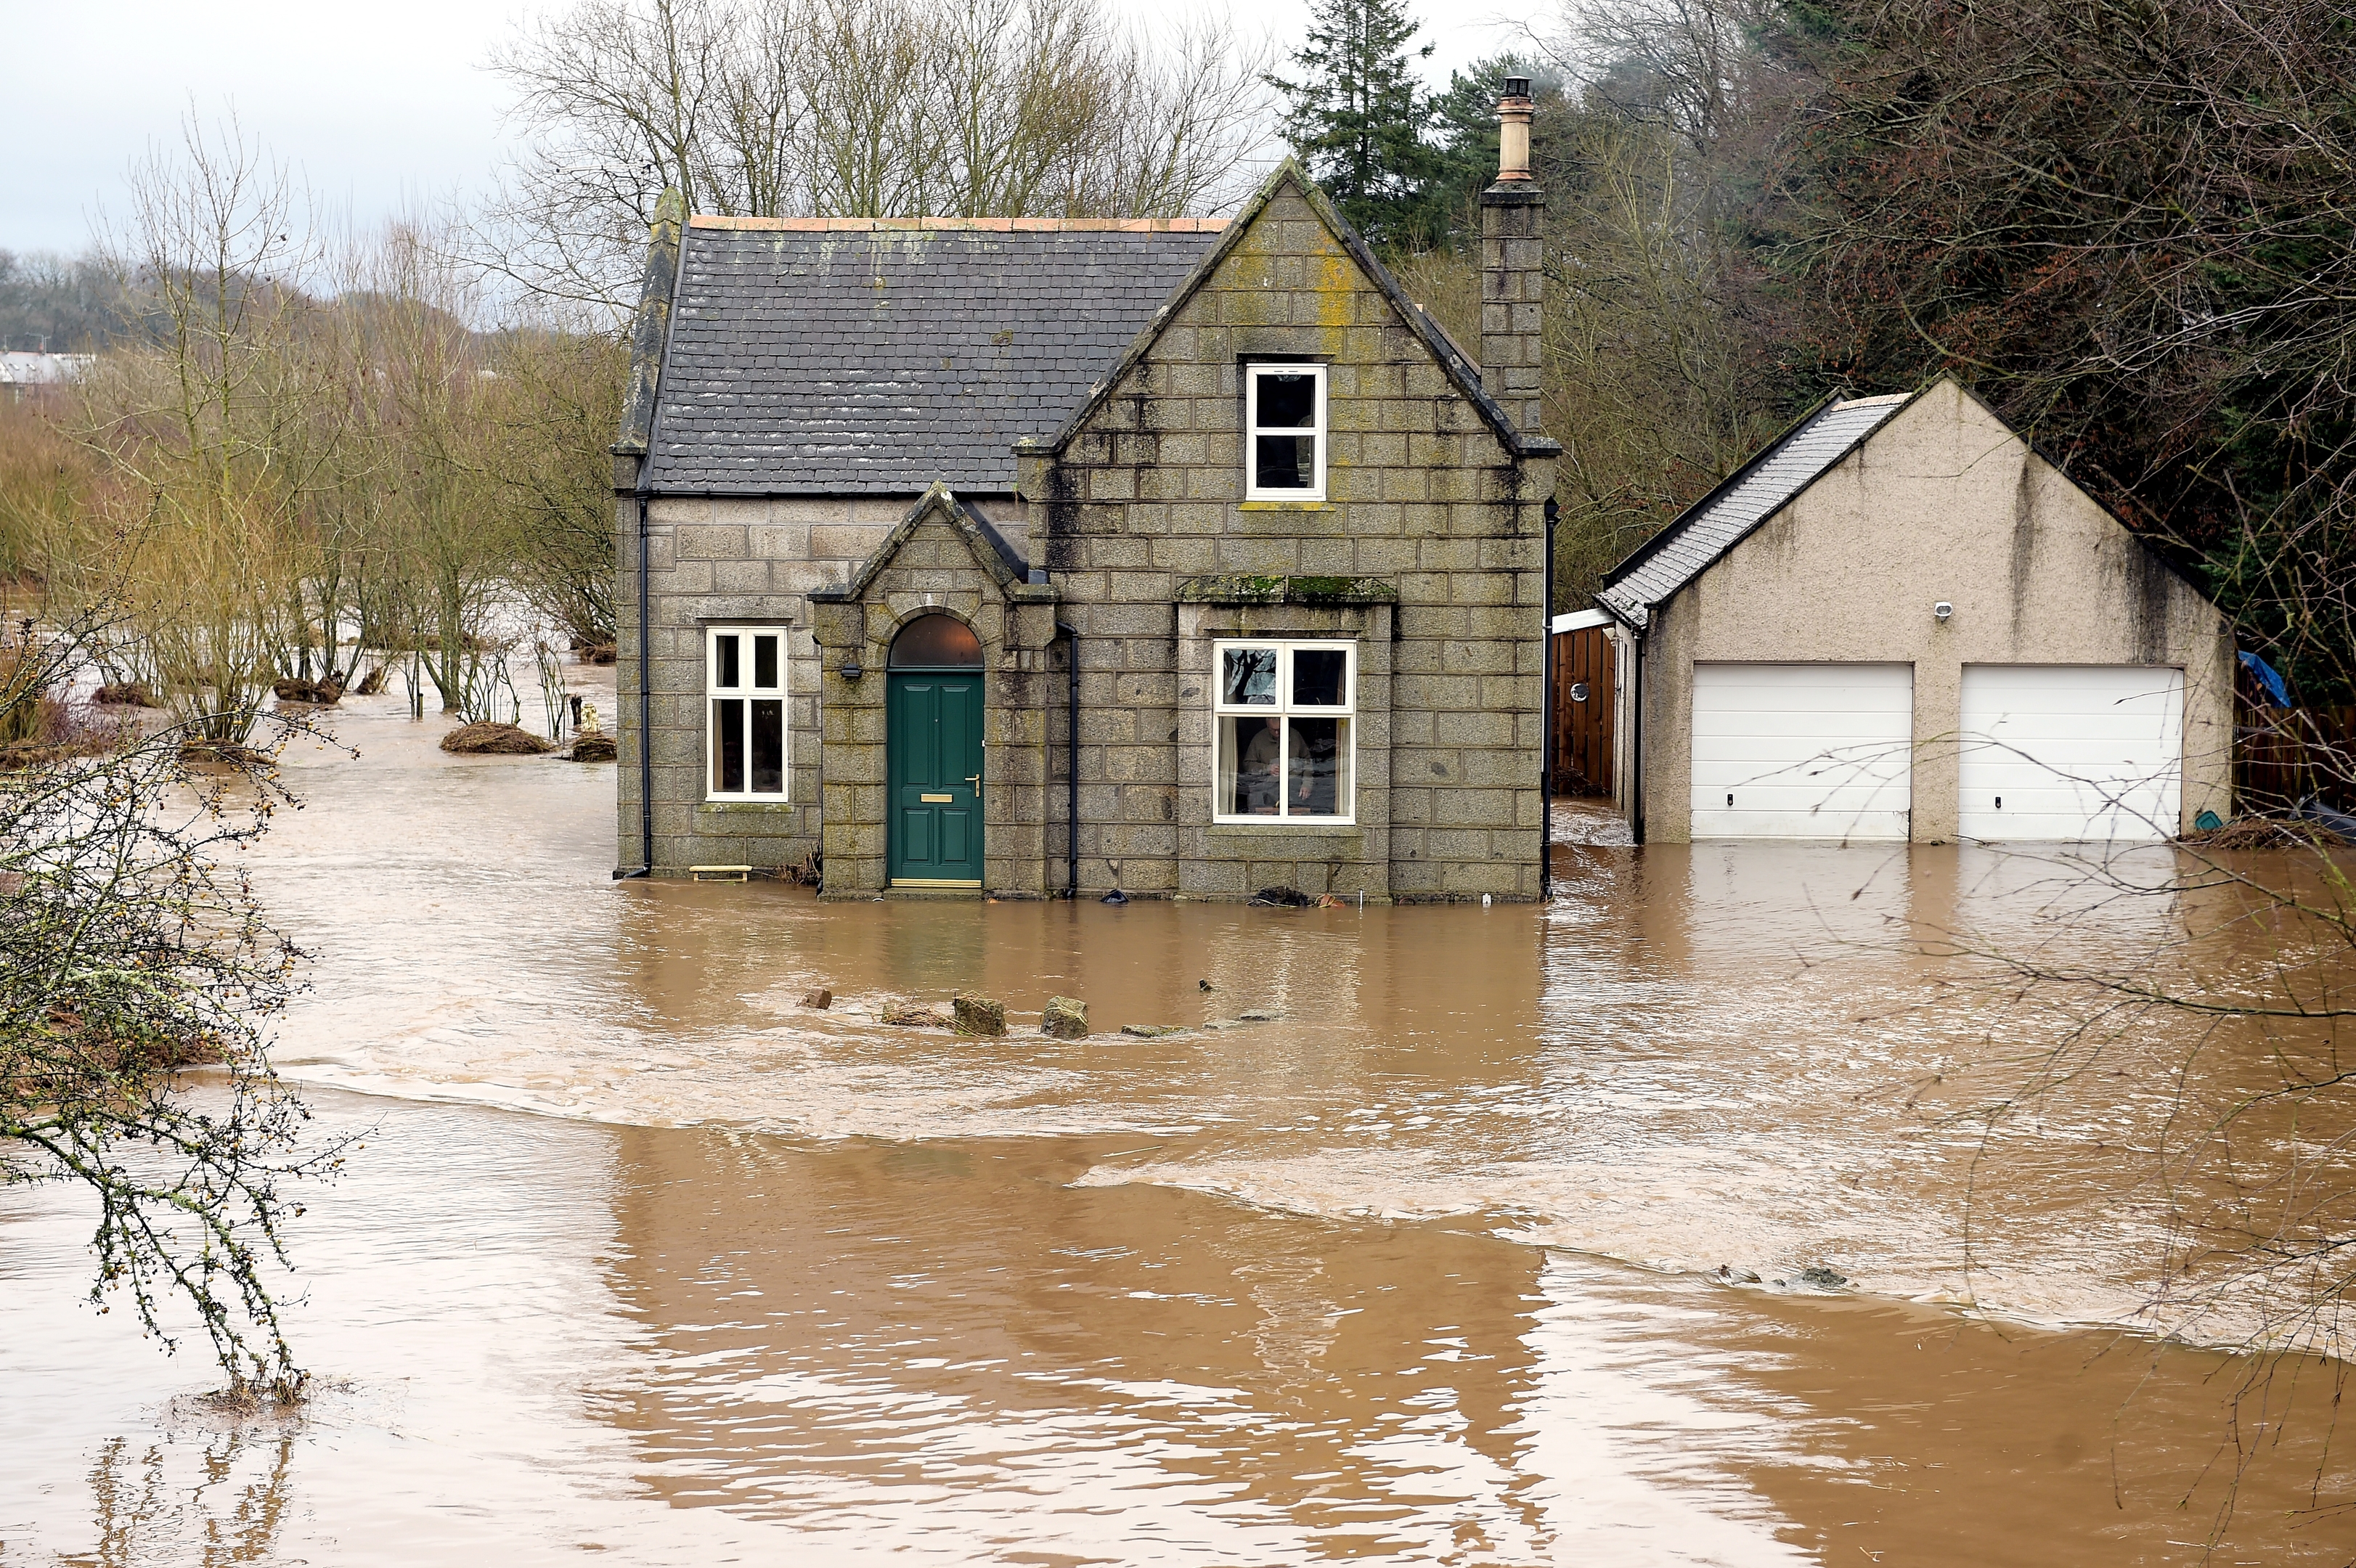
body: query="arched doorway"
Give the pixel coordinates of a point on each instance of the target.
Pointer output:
(933, 754)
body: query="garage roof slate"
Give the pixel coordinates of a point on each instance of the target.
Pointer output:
(1661, 567)
(833, 359)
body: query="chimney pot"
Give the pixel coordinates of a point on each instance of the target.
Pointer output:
(1514, 131)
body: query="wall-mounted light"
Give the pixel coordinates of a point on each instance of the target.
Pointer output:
(1942, 610)
(851, 671)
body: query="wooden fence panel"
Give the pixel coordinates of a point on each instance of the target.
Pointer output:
(2284, 757)
(1582, 724)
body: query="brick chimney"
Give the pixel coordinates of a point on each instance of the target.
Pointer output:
(1513, 271)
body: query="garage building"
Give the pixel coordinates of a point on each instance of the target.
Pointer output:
(1901, 623)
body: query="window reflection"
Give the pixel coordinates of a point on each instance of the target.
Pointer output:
(1283, 757)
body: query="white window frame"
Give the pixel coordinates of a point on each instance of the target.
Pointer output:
(748, 692)
(1253, 371)
(1285, 710)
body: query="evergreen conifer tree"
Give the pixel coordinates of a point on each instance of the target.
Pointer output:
(1357, 115)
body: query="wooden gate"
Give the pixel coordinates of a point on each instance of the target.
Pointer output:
(2284, 757)
(1583, 672)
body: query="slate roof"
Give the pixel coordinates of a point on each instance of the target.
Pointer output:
(1656, 571)
(857, 358)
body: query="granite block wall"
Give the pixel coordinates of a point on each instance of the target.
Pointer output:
(1429, 512)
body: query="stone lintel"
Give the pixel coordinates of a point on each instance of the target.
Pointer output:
(1248, 588)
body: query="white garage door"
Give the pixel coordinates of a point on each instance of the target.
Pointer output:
(1803, 751)
(2070, 751)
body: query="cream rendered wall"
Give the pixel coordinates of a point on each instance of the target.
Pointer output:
(1944, 502)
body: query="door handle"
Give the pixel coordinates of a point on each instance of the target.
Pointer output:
(975, 780)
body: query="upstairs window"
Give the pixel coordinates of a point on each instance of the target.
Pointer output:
(1281, 726)
(1284, 425)
(745, 688)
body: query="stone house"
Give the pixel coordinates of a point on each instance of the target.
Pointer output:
(1900, 621)
(1183, 557)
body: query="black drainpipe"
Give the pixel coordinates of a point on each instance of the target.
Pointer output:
(1072, 783)
(646, 711)
(1545, 707)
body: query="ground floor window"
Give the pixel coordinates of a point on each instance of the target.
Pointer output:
(1282, 727)
(744, 691)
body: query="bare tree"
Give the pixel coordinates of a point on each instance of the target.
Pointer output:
(864, 108)
(209, 420)
(426, 405)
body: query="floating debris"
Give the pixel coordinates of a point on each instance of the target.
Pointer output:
(322, 693)
(493, 740)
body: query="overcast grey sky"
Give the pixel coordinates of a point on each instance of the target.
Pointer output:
(376, 102)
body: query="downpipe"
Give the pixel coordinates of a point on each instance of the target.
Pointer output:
(1545, 712)
(1072, 779)
(645, 712)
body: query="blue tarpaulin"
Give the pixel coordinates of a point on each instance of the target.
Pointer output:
(2266, 677)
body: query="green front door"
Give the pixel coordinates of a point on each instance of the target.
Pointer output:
(934, 749)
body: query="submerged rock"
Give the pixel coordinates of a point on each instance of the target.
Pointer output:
(1282, 898)
(1256, 1016)
(1821, 1278)
(1152, 1031)
(912, 1015)
(1066, 1018)
(818, 997)
(979, 1015)
(494, 741)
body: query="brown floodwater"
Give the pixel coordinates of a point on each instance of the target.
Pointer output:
(642, 1259)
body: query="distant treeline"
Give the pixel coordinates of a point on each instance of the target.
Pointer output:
(58, 305)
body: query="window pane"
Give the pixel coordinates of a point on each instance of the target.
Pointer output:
(1316, 760)
(1249, 679)
(728, 743)
(1319, 676)
(1251, 754)
(726, 668)
(769, 745)
(1284, 462)
(1288, 401)
(765, 663)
